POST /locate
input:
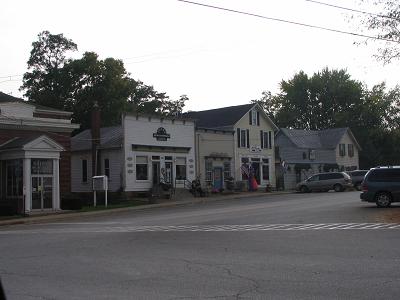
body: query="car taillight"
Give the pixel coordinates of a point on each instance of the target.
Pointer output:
(347, 180)
(364, 187)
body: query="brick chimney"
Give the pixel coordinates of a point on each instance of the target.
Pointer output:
(95, 130)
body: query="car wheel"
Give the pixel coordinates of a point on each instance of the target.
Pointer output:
(304, 189)
(383, 199)
(358, 186)
(338, 188)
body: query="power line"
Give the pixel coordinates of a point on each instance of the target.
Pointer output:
(10, 76)
(289, 22)
(351, 9)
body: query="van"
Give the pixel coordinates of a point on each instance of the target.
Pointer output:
(337, 181)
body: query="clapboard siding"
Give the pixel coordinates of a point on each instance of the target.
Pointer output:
(115, 159)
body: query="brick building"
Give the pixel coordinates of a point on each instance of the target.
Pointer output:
(35, 161)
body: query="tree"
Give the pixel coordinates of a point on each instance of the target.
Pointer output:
(43, 83)
(385, 25)
(329, 99)
(76, 84)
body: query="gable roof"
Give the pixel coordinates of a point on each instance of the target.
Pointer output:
(21, 143)
(318, 139)
(223, 118)
(110, 137)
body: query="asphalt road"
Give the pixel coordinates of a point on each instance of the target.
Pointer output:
(296, 246)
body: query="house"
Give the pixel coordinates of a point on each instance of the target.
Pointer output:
(232, 141)
(34, 155)
(306, 152)
(137, 154)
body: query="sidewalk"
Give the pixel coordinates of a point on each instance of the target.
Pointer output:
(64, 215)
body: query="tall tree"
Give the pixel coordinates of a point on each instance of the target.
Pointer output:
(329, 99)
(76, 84)
(43, 82)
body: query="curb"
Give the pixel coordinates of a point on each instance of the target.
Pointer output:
(71, 215)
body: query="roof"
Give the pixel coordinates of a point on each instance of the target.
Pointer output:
(318, 139)
(220, 118)
(8, 98)
(110, 137)
(18, 142)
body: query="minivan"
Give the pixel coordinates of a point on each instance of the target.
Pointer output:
(337, 181)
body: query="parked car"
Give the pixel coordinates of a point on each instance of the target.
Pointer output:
(337, 181)
(357, 177)
(382, 186)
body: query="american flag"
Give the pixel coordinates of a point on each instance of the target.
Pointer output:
(245, 170)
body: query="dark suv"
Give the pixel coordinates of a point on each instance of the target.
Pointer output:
(382, 186)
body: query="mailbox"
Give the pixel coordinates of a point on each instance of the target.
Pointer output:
(100, 183)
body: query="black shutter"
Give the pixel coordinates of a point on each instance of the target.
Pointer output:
(250, 118)
(262, 139)
(238, 137)
(258, 118)
(270, 139)
(248, 138)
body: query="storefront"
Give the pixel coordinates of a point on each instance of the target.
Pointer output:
(157, 150)
(30, 174)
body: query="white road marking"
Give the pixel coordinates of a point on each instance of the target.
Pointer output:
(124, 227)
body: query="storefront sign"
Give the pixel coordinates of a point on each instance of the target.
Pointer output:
(161, 134)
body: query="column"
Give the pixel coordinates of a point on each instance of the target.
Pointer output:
(56, 184)
(27, 184)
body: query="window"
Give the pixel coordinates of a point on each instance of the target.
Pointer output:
(84, 170)
(107, 167)
(142, 168)
(243, 138)
(385, 175)
(227, 170)
(253, 117)
(180, 168)
(350, 150)
(42, 166)
(265, 140)
(245, 160)
(209, 166)
(265, 169)
(311, 154)
(14, 178)
(342, 149)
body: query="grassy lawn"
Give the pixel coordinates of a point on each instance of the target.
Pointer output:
(111, 206)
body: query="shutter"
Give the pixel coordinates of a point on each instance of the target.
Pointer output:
(270, 139)
(258, 118)
(248, 137)
(250, 118)
(238, 137)
(262, 139)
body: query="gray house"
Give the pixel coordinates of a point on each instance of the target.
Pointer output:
(306, 152)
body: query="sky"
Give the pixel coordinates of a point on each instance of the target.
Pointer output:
(216, 58)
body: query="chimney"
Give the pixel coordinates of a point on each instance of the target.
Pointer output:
(95, 130)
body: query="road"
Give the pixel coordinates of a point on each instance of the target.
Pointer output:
(294, 246)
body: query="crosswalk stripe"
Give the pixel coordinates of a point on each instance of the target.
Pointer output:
(121, 228)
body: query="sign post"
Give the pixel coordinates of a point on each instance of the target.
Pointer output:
(100, 183)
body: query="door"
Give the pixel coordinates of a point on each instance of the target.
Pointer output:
(256, 171)
(156, 172)
(168, 172)
(218, 180)
(42, 192)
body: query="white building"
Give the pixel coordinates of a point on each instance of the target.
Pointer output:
(139, 153)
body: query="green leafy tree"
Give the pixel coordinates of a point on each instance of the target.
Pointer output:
(43, 83)
(76, 84)
(330, 99)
